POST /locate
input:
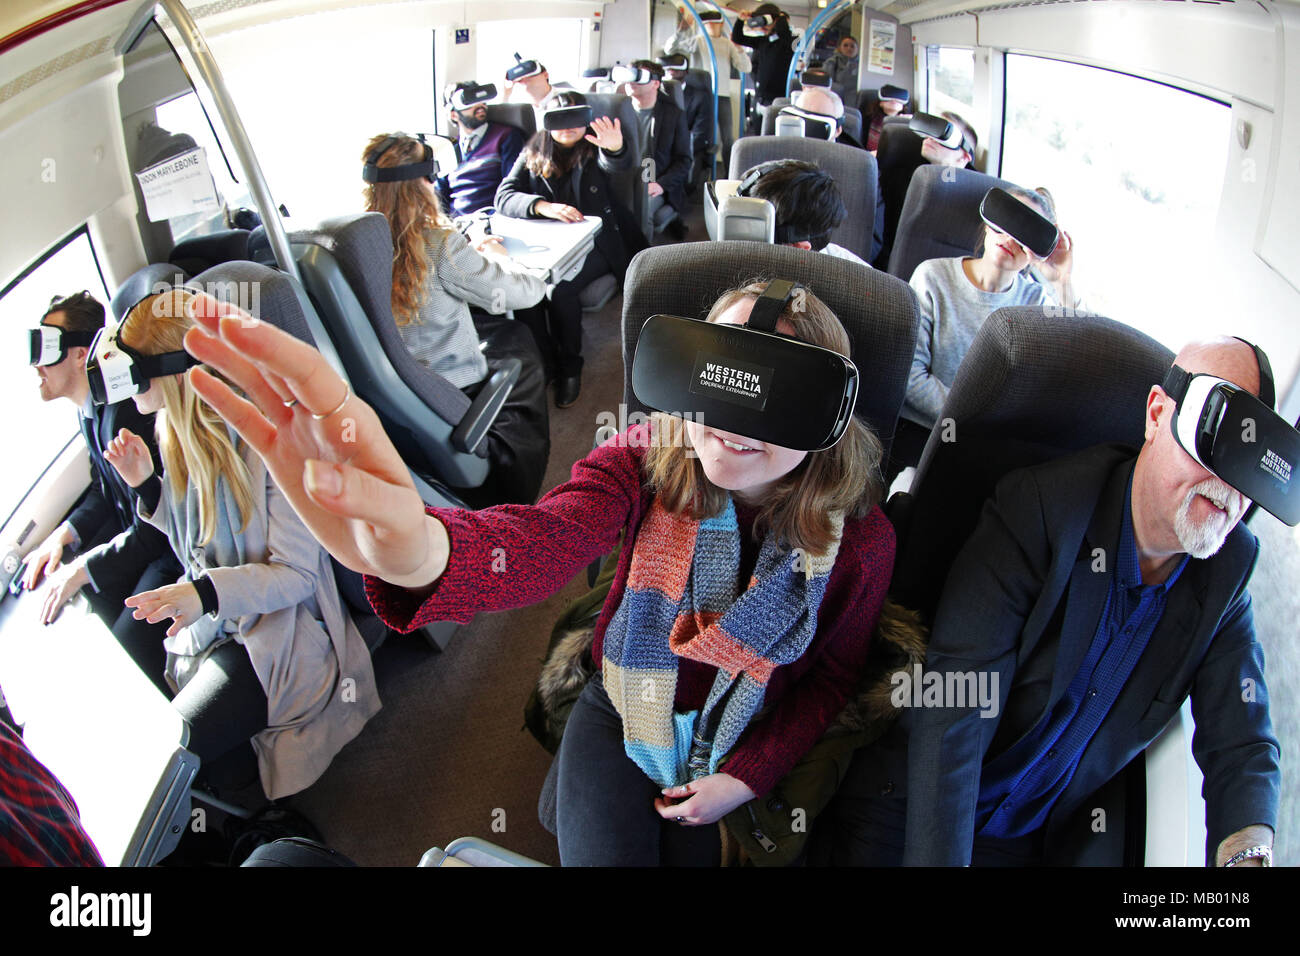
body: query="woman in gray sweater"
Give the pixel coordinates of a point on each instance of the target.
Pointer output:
(437, 276)
(957, 295)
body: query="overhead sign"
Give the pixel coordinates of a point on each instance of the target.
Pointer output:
(179, 186)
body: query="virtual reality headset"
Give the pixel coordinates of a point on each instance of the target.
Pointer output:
(758, 21)
(633, 74)
(1005, 213)
(707, 15)
(813, 78)
(567, 117)
(597, 73)
(748, 380)
(674, 61)
(116, 371)
(793, 121)
(937, 128)
(49, 344)
(1238, 437)
(890, 92)
(523, 69)
(466, 95)
(439, 160)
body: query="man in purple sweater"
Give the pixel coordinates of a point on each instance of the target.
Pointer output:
(487, 153)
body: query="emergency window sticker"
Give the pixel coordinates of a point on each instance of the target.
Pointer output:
(740, 383)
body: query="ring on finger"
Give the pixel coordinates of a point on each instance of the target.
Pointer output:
(347, 393)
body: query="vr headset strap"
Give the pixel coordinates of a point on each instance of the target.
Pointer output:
(770, 305)
(1176, 382)
(166, 363)
(1267, 395)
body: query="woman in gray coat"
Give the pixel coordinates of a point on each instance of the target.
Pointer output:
(260, 649)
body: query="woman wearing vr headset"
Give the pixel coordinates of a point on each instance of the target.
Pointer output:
(956, 296)
(261, 649)
(785, 550)
(563, 174)
(437, 276)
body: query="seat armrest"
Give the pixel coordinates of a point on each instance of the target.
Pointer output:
(473, 427)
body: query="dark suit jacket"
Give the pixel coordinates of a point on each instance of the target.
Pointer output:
(105, 517)
(1022, 601)
(671, 150)
(587, 188)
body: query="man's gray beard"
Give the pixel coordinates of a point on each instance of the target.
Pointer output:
(1204, 540)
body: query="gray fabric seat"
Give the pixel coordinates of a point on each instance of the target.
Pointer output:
(878, 311)
(141, 283)
(674, 90)
(518, 115)
(940, 217)
(627, 187)
(196, 253)
(1034, 386)
(852, 118)
(854, 172)
(346, 265)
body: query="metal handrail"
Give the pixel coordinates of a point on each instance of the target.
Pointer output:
(215, 86)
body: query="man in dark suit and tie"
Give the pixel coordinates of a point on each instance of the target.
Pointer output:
(118, 555)
(1097, 593)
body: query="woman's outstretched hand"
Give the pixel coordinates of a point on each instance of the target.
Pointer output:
(606, 134)
(323, 446)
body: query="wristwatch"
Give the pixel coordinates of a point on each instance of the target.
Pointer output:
(1262, 852)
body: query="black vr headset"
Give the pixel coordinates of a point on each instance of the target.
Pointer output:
(707, 15)
(49, 344)
(596, 73)
(633, 74)
(749, 380)
(759, 21)
(523, 69)
(466, 95)
(673, 61)
(812, 78)
(567, 117)
(439, 160)
(891, 92)
(1237, 436)
(1005, 213)
(116, 371)
(937, 128)
(793, 121)
(730, 212)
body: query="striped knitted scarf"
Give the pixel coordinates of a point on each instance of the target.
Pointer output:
(681, 600)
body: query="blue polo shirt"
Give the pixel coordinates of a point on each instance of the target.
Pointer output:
(1019, 787)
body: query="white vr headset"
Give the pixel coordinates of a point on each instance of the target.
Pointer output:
(49, 344)
(632, 74)
(793, 121)
(1238, 437)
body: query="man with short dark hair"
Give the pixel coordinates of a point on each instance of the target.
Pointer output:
(1097, 593)
(665, 148)
(120, 555)
(487, 153)
(532, 87)
(698, 98)
(808, 206)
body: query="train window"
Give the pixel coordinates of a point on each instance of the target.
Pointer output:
(950, 80)
(557, 43)
(41, 429)
(1135, 168)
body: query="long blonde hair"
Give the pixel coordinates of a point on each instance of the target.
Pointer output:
(193, 439)
(410, 208)
(845, 477)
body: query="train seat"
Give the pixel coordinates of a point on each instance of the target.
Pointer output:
(346, 266)
(1033, 387)
(142, 282)
(673, 88)
(196, 253)
(854, 172)
(940, 217)
(898, 155)
(518, 115)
